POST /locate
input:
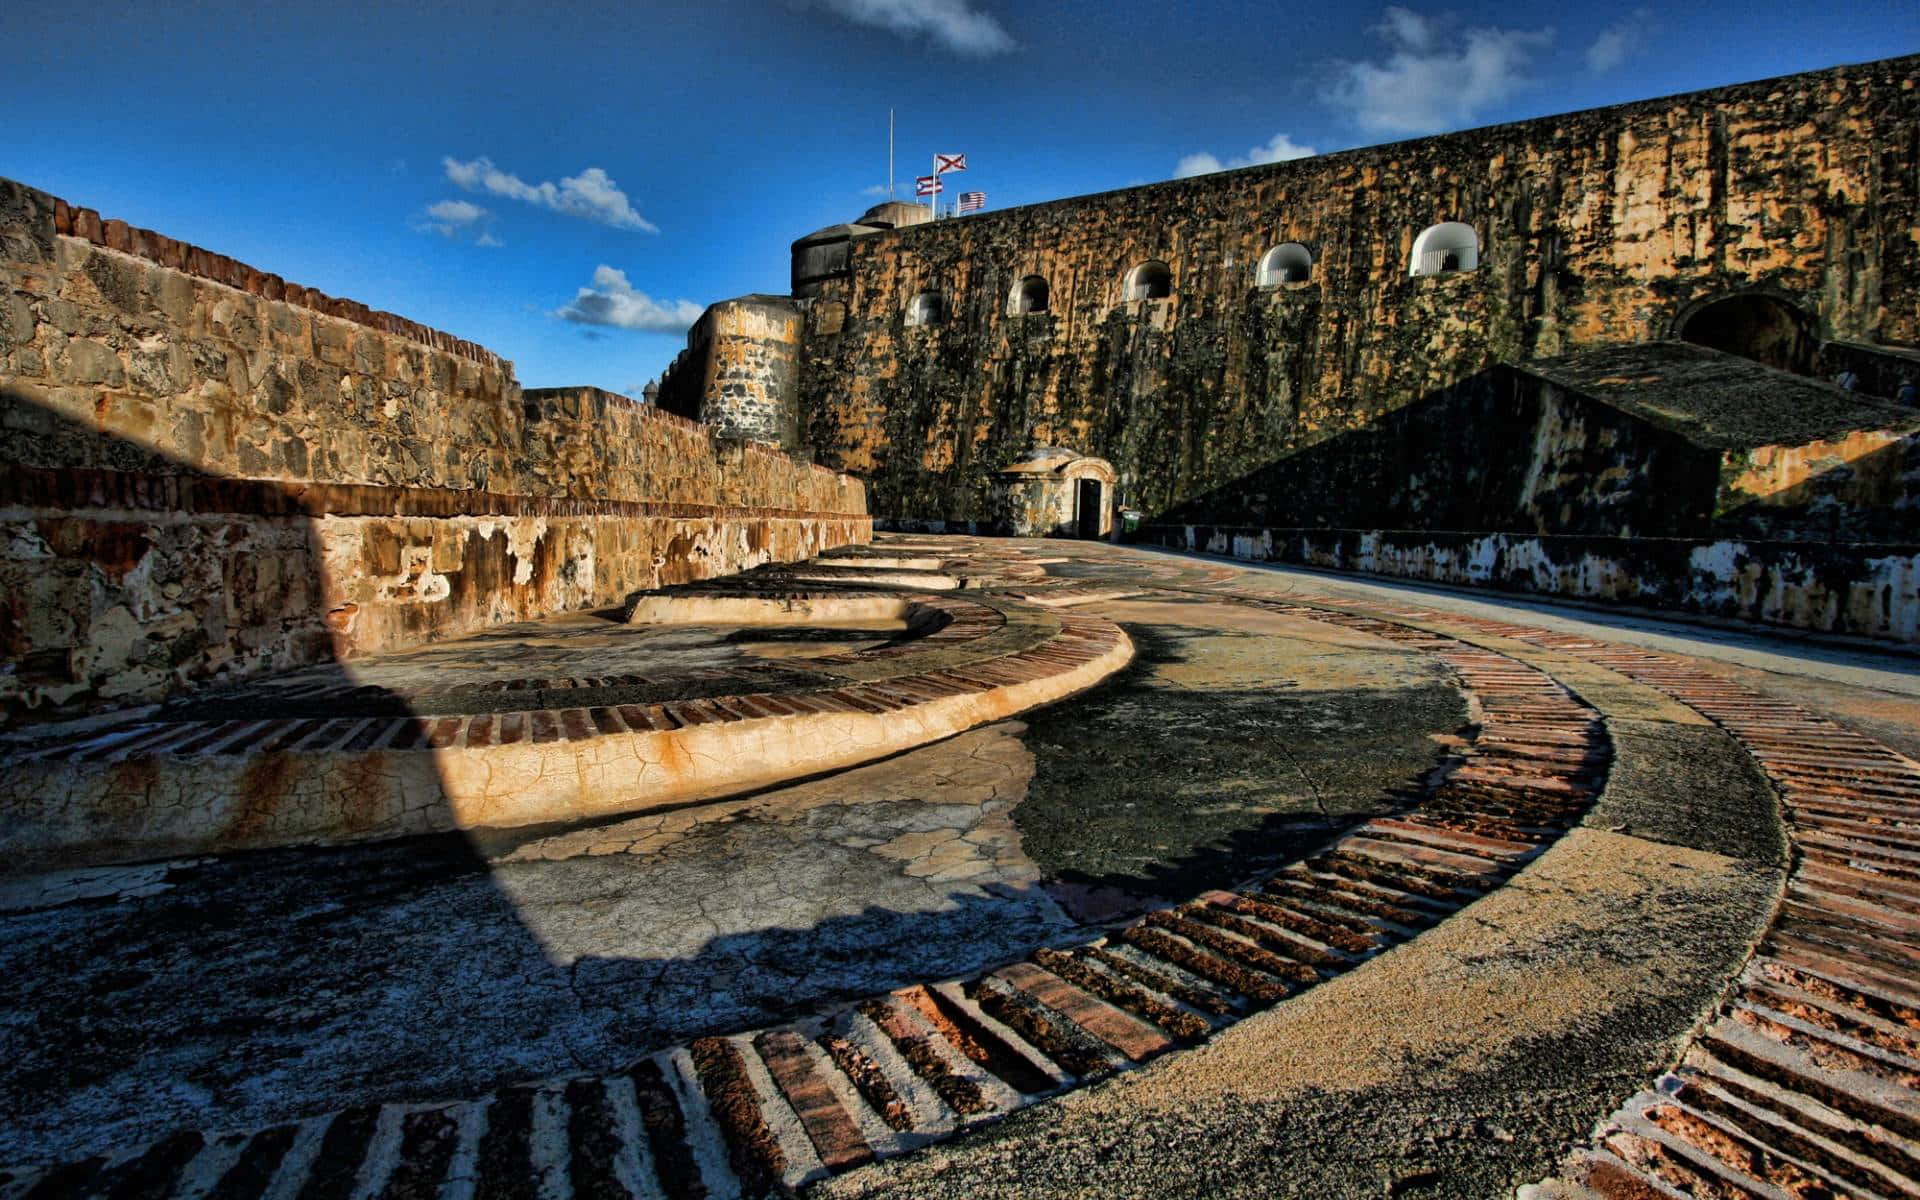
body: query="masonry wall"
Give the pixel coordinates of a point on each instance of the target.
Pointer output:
(1595, 228)
(1857, 589)
(206, 472)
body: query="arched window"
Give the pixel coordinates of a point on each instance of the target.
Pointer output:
(928, 308)
(1445, 248)
(1768, 331)
(1288, 263)
(1149, 281)
(1030, 295)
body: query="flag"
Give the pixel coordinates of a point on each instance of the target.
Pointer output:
(928, 185)
(972, 201)
(949, 162)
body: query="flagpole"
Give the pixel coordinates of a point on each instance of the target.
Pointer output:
(889, 156)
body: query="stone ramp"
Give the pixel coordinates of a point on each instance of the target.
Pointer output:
(771, 1109)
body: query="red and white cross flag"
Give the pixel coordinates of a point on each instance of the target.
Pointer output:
(972, 201)
(928, 185)
(949, 162)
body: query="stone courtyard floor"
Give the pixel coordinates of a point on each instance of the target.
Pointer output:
(1337, 888)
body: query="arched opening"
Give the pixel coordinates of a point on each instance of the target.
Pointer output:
(928, 308)
(1771, 332)
(1030, 295)
(1149, 281)
(1445, 248)
(1288, 263)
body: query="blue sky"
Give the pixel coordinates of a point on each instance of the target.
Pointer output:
(568, 183)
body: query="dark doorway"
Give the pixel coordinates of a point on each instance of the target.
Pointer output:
(1768, 331)
(1087, 508)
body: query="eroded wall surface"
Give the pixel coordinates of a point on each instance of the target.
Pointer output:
(1595, 228)
(1858, 589)
(208, 472)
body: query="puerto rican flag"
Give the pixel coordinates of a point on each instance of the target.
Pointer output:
(942, 163)
(928, 185)
(972, 201)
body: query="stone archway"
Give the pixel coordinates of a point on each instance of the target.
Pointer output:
(1766, 329)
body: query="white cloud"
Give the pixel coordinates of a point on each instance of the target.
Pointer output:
(1280, 148)
(955, 25)
(456, 219)
(456, 212)
(591, 194)
(1433, 77)
(613, 301)
(1617, 42)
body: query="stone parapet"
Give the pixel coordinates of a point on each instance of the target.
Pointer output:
(206, 473)
(84, 223)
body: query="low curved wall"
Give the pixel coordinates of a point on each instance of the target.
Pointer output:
(1861, 589)
(147, 788)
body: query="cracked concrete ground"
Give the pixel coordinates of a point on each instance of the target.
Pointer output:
(232, 991)
(249, 988)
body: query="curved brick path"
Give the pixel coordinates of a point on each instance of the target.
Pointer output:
(1806, 1082)
(739, 1115)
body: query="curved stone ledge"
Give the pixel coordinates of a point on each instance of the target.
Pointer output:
(153, 788)
(878, 577)
(693, 608)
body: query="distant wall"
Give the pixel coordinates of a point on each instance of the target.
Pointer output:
(1592, 228)
(1857, 589)
(203, 477)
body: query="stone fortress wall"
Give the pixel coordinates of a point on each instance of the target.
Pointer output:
(208, 472)
(1590, 229)
(1267, 355)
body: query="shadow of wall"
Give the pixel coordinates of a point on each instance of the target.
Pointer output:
(240, 989)
(1509, 480)
(1496, 452)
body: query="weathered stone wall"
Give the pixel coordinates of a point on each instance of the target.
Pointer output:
(1853, 588)
(1594, 228)
(205, 478)
(740, 372)
(752, 370)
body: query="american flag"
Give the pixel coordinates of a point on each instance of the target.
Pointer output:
(928, 185)
(972, 201)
